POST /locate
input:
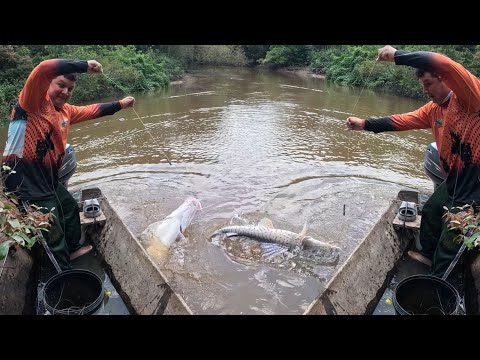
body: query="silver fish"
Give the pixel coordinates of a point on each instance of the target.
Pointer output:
(163, 234)
(266, 233)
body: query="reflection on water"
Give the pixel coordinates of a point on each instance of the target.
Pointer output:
(253, 143)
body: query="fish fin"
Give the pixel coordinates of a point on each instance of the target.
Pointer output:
(266, 222)
(237, 217)
(304, 230)
(230, 234)
(270, 250)
(181, 237)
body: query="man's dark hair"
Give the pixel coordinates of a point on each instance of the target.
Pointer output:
(71, 77)
(420, 73)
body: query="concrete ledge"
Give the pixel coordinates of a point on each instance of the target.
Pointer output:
(355, 287)
(141, 283)
(414, 225)
(89, 221)
(15, 284)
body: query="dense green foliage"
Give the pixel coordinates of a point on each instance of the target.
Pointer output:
(190, 55)
(356, 65)
(131, 69)
(134, 68)
(292, 55)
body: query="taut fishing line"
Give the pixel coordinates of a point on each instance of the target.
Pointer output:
(354, 106)
(114, 83)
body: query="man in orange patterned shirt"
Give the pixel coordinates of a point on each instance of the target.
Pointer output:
(454, 117)
(35, 149)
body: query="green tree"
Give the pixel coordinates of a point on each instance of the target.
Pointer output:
(286, 55)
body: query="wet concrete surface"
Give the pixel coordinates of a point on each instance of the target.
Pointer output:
(407, 267)
(112, 303)
(404, 268)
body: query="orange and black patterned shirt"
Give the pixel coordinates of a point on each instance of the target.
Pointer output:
(455, 124)
(37, 132)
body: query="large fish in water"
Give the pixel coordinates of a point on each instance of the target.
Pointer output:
(158, 237)
(284, 239)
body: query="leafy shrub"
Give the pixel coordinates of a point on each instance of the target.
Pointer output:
(17, 226)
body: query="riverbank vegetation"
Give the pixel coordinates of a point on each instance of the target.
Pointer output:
(17, 226)
(132, 68)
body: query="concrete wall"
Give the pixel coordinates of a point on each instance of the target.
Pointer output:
(139, 280)
(353, 290)
(16, 286)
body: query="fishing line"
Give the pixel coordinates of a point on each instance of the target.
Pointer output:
(159, 147)
(353, 111)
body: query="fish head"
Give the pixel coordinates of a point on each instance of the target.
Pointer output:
(191, 201)
(187, 212)
(324, 252)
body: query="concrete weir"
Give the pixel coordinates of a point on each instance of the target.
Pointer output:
(356, 285)
(353, 290)
(141, 283)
